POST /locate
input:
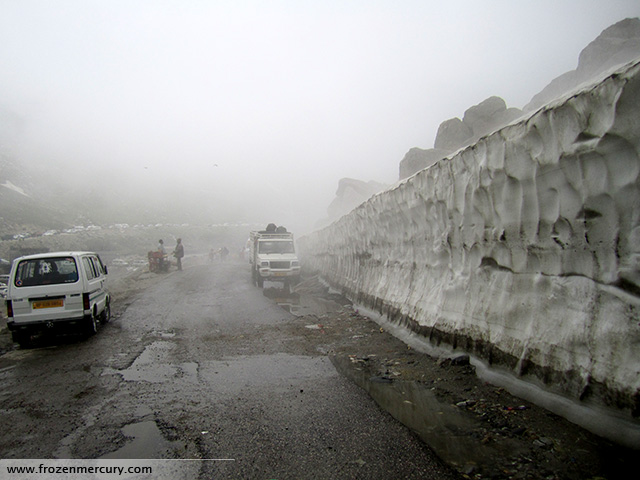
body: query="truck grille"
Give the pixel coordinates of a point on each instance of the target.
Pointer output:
(276, 265)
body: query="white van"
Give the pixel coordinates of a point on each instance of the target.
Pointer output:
(58, 292)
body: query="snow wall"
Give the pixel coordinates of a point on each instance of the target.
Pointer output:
(522, 249)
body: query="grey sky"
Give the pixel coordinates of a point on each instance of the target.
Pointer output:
(285, 97)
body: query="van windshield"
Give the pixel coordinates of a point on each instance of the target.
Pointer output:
(46, 271)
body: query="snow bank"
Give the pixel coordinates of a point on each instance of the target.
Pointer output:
(523, 248)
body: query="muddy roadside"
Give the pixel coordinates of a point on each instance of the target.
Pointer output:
(481, 430)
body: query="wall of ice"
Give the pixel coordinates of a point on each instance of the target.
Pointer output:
(523, 249)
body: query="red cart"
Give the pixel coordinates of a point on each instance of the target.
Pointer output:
(158, 262)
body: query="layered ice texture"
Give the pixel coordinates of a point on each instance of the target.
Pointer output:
(522, 249)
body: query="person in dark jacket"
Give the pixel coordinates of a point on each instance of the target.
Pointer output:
(178, 252)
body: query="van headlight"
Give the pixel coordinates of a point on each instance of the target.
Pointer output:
(264, 264)
(295, 263)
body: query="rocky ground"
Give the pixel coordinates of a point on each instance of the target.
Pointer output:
(479, 429)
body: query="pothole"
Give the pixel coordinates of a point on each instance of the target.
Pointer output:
(154, 366)
(147, 442)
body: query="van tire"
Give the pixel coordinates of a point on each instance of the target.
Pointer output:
(105, 316)
(22, 339)
(91, 325)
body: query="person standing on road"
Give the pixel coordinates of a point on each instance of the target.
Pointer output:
(178, 252)
(163, 254)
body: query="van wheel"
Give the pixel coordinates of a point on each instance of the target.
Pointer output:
(106, 314)
(22, 339)
(91, 325)
(260, 281)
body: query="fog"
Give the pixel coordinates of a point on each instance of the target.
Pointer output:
(255, 110)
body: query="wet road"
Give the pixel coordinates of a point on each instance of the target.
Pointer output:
(201, 365)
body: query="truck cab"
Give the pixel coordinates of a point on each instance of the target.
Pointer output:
(273, 257)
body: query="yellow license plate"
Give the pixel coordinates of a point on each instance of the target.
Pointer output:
(48, 303)
(279, 274)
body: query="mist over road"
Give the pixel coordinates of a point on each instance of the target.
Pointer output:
(201, 365)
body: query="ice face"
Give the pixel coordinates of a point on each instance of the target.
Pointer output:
(523, 248)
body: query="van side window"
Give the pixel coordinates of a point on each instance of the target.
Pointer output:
(89, 268)
(96, 270)
(102, 265)
(98, 264)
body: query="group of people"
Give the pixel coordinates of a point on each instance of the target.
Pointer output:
(221, 253)
(178, 253)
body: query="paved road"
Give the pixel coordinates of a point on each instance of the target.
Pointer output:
(202, 365)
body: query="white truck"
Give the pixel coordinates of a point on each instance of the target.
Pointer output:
(272, 256)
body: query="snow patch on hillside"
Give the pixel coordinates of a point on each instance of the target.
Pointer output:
(15, 188)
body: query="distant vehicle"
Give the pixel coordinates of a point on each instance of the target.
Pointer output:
(57, 292)
(272, 256)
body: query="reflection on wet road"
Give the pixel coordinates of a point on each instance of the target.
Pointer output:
(285, 298)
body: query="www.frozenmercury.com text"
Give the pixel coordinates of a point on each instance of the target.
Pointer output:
(59, 469)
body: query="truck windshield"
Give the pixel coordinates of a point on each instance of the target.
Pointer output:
(46, 271)
(275, 247)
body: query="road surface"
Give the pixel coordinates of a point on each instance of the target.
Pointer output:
(201, 365)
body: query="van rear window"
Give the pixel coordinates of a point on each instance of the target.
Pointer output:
(46, 271)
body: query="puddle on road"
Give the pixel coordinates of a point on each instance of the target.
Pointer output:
(301, 304)
(285, 298)
(147, 445)
(147, 442)
(441, 426)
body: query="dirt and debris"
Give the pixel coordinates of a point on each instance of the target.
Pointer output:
(481, 430)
